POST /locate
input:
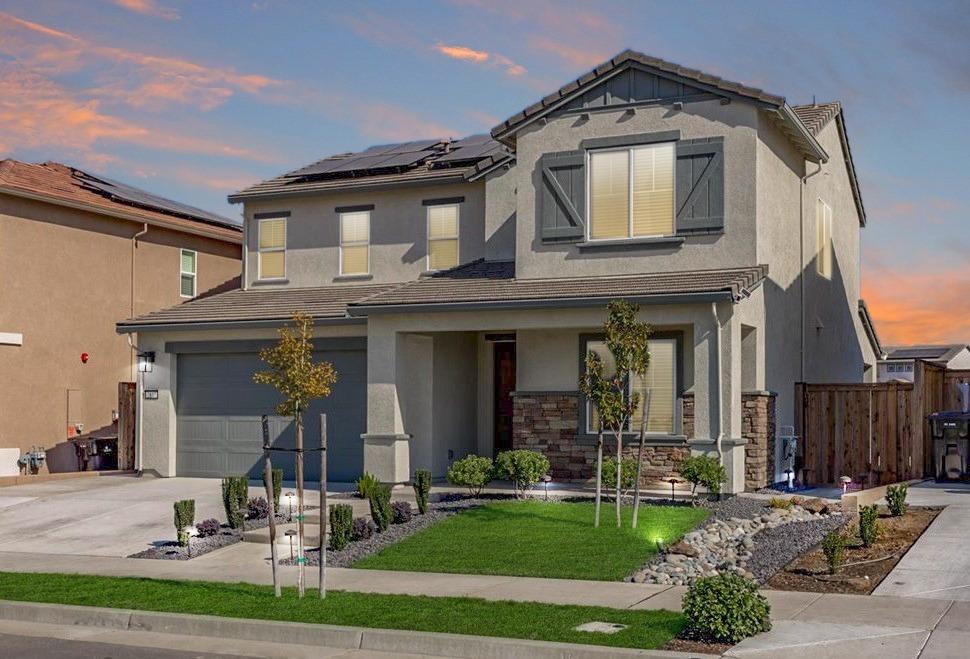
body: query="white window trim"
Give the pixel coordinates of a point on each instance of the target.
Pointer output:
(429, 239)
(182, 273)
(352, 243)
(261, 250)
(674, 428)
(828, 246)
(629, 173)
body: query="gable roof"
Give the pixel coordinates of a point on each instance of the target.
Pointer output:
(788, 121)
(416, 162)
(816, 117)
(55, 183)
(930, 352)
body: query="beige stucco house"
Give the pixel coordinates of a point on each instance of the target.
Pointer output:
(457, 285)
(77, 252)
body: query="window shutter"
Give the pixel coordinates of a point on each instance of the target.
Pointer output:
(700, 185)
(561, 202)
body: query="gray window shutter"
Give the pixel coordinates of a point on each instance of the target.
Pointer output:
(561, 197)
(700, 185)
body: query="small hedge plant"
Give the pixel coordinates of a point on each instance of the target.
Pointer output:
(235, 493)
(471, 471)
(208, 527)
(401, 512)
(422, 488)
(341, 525)
(366, 484)
(628, 473)
(362, 529)
(896, 499)
(380, 506)
(257, 508)
(869, 525)
(833, 547)
(184, 518)
(703, 470)
(523, 467)
(725, 609)
(277, 487)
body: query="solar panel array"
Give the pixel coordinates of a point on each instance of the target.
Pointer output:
(470, 149)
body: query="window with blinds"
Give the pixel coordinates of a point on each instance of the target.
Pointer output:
(631, 192)
(355, 243)
(823, 241)
(272, 248)
(187, 272)
(660, 380)
(442, 237)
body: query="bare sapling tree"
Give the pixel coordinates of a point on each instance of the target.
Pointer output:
(300, 381)
(596, 388)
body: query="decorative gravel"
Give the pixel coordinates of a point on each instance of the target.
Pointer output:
(734, 507)
(775, 548)
(171, 550)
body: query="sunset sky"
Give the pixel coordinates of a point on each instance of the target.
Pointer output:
(194, 100)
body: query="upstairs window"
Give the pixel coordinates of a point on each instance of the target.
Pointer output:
(442, 237)
(272, 248)
(187, 270)
(631, 192)
(823, 241)
(355, 243)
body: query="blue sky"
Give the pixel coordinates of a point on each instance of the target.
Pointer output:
(196, 99)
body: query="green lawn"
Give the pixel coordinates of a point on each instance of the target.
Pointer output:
(455, 615)
(538, 539)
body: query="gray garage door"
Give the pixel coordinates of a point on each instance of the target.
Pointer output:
(219, 408)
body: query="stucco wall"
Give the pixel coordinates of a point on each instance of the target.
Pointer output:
(500, 202)
(398, 232)
(736, 122)
(455, 399)
(67, 278)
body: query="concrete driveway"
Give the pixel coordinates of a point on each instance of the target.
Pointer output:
(105, 516)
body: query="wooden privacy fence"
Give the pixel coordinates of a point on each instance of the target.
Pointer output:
(875, 433)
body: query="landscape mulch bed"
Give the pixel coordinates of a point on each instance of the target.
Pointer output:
(691, 646)
(864, 568)
(171, 551)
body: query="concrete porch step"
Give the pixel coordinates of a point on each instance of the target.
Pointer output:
(261, 536)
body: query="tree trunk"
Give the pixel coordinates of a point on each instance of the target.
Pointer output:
(268, 481)
(619, 467)
(301, 538)
(323, 506)
(599, 475)
(643, 436)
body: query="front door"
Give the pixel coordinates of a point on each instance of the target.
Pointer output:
(504, 386)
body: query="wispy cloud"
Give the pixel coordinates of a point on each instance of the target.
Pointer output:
(467, 54)
(149, 8)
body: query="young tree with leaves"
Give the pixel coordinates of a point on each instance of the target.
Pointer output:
(300, 381)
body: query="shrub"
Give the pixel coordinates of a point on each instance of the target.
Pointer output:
(258, 508)
(277, 487)
(401, 512)
(703, 470)
(184, 518)
(208, 527)
(235, 491)
(896, 499)
(341, 522)
(628, 473)
(362, 529)
(471, 471)
(725, 608)
(780, 503)
(869, 525)
(380, 506)
(523, 467)
(833, 546)
(422, 487)
(366, 485)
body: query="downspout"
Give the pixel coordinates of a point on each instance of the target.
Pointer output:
(139, 377)
(801, 267)
(720, 386)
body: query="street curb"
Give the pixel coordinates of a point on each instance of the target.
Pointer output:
(334, 636)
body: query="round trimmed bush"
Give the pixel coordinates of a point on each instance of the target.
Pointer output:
(726, 609)
(523, 467)
(208, 527)
(471, 471)
(257, 508)
(362, 529)
(401, 512)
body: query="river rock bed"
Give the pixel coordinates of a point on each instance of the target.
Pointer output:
(729, 542)
(170, 550)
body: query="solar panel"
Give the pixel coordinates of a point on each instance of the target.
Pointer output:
(407, 159)
(472, 151)
(135, 196)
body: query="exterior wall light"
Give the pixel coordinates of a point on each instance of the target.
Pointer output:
(146, 362)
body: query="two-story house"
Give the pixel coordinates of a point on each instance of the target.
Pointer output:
(456, 286)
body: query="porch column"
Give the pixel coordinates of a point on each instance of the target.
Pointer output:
(156, 421)
(385, 442)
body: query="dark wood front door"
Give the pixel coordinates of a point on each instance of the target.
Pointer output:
(504, 378)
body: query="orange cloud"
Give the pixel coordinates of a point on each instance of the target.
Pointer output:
(467, 54)
(149, 8)
(577, 57)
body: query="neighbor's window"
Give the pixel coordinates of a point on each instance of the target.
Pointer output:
(823, 241)
(272, 248)
(442, 237)
(631, 192)
(355, 243)
(187, 271)
(661, 379)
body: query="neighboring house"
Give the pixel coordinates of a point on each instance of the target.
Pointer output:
(78, 251)
(899, 361)
(456, 286)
